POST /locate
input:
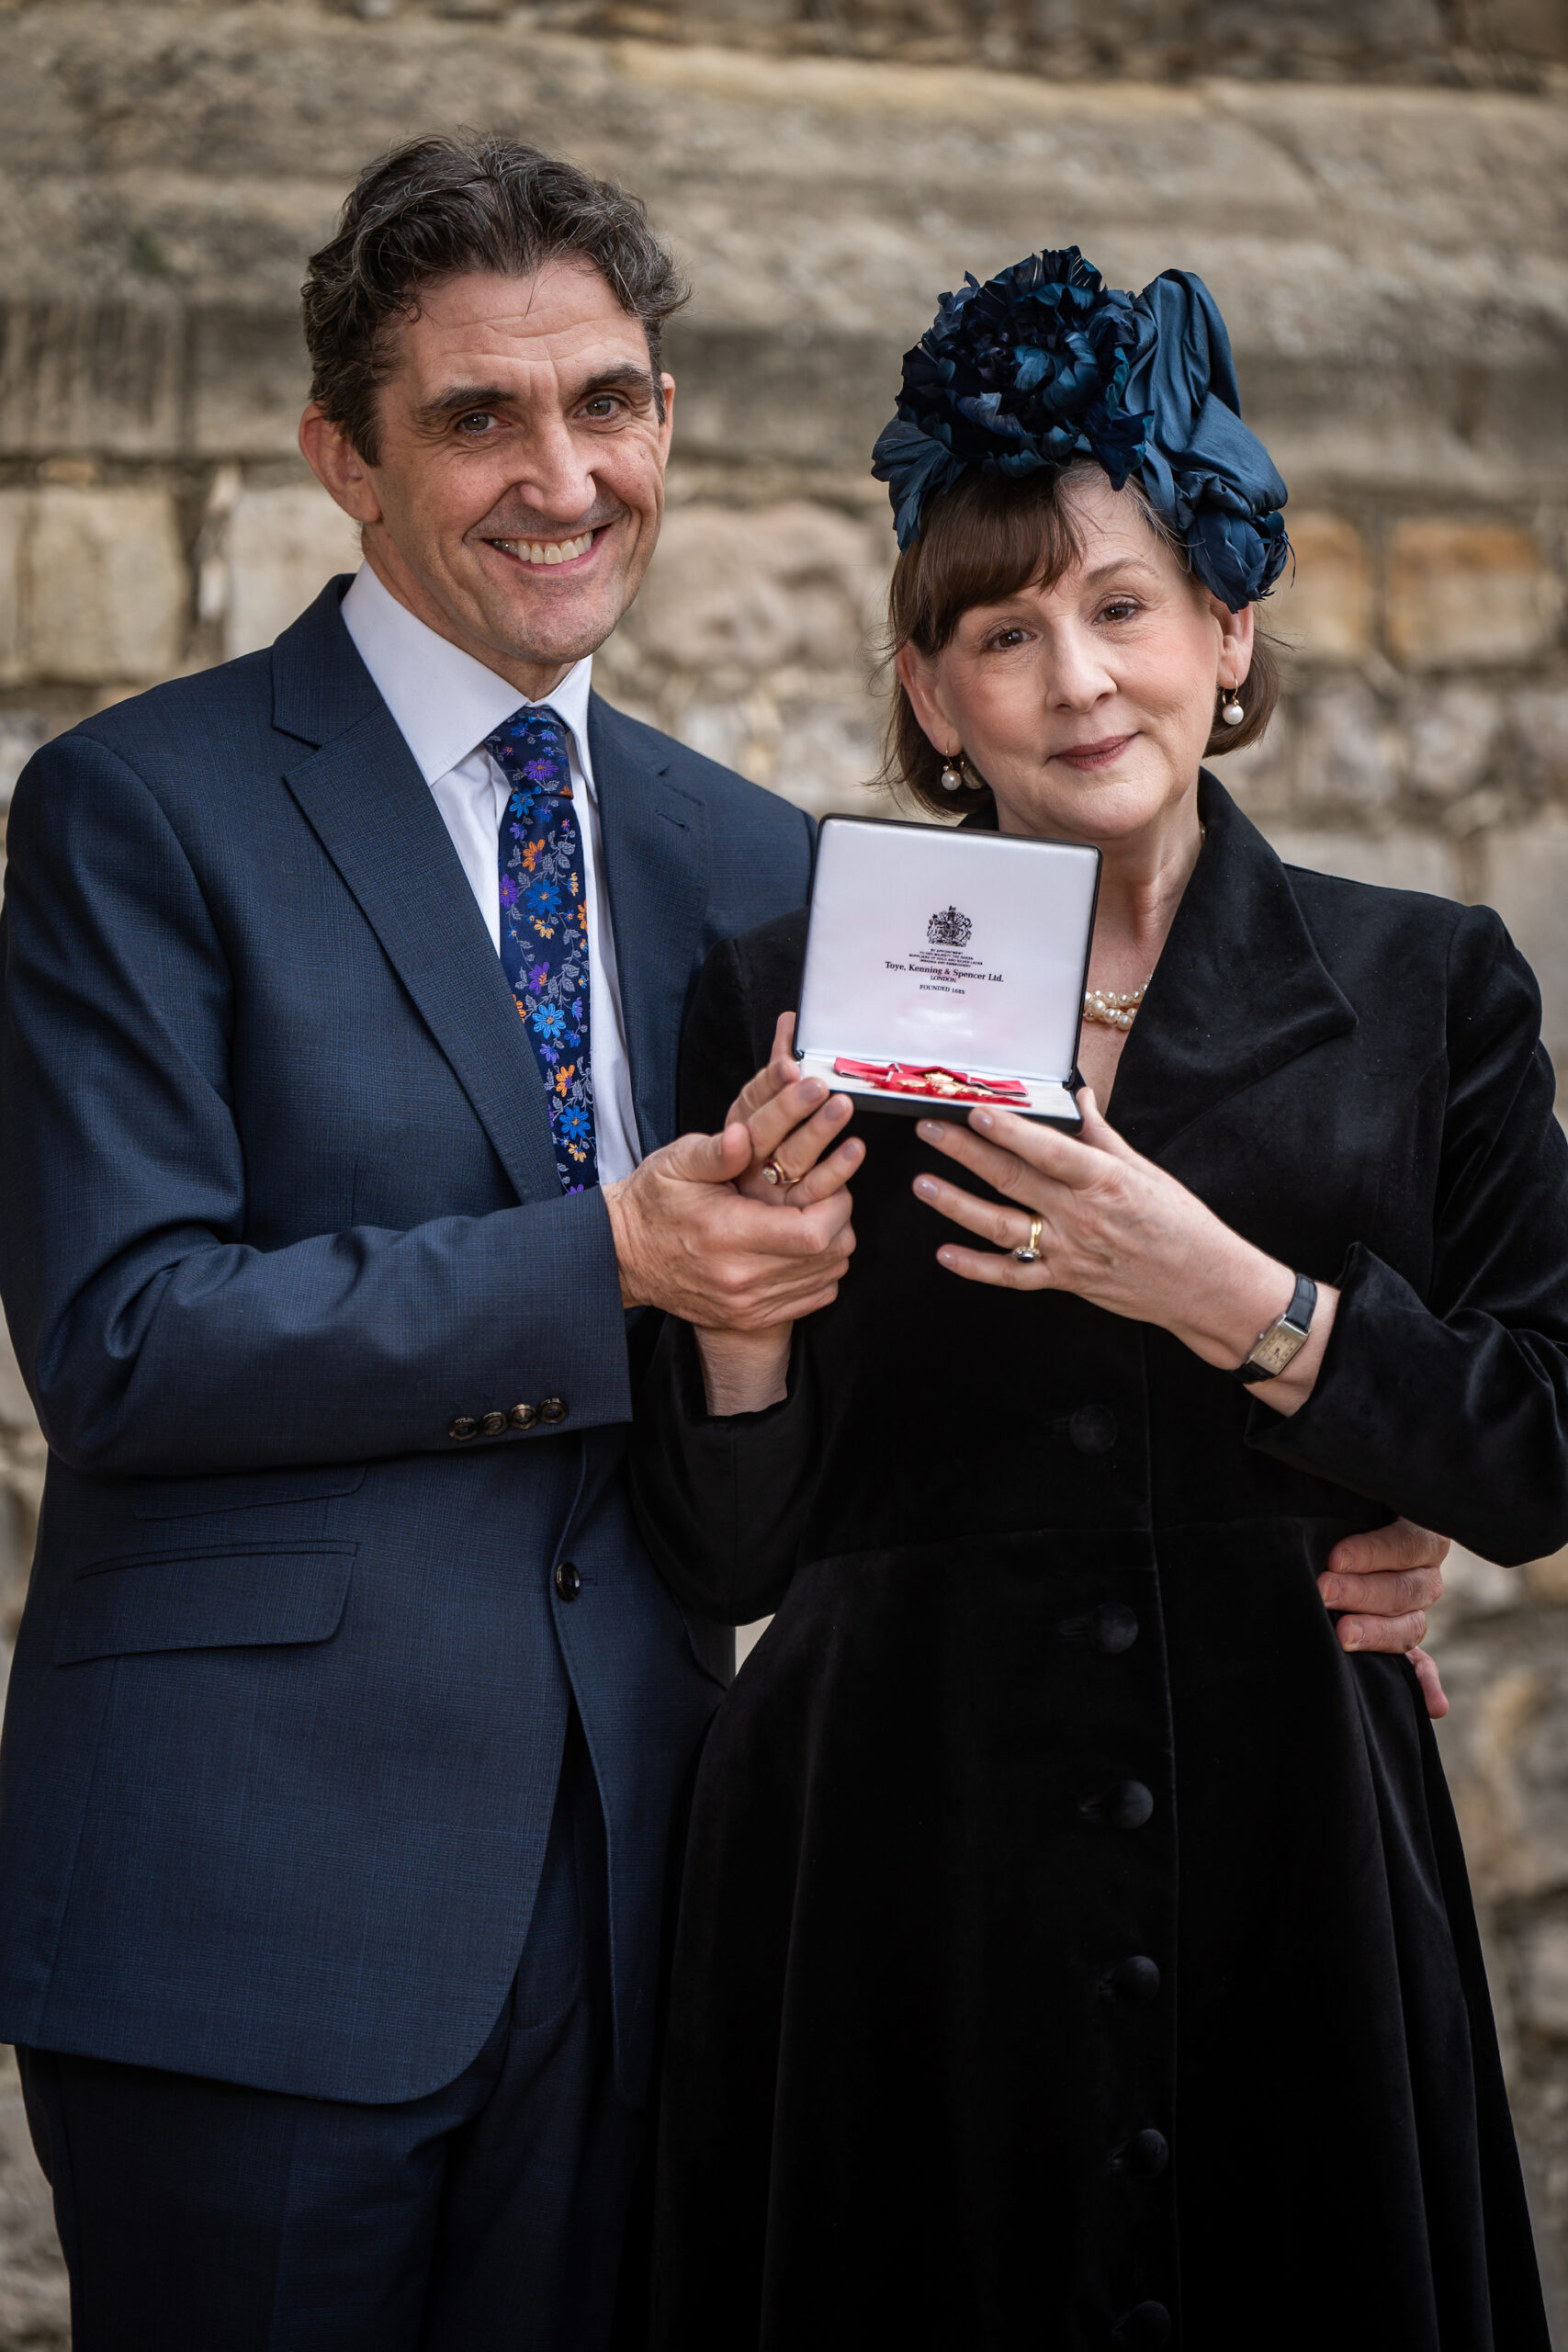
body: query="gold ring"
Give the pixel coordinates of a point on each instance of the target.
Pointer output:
(775, 1174)
(1030, 1253)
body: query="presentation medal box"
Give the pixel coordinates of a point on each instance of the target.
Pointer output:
(945, 968)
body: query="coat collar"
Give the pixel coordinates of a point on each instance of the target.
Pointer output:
(370, 805)
(1239, 991)
(373, 813)
(654, 837)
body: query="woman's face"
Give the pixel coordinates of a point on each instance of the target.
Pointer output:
(1086, 707)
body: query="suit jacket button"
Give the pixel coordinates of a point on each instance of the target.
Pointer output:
(523, 1417)
(1146, 2155)
(569, 1584)
(492, 1424)
(552, 1409)
(464, 1427)
(1125, 1804)
(1113, 1627)
(1143, 2329)
(1093, 1428)
(1135, 1979)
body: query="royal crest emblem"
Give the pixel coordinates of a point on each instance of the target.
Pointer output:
(948, 929)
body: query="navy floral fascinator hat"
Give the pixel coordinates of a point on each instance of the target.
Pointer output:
(1046, 365)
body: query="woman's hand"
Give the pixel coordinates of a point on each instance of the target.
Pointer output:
(792, 1123)
(1118, 1231)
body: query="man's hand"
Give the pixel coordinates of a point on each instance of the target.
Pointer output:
(687, 1241)
(1386, 1582)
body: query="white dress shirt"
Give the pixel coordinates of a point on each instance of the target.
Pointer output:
(445, 704)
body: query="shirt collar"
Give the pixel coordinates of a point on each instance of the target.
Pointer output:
(444, 703)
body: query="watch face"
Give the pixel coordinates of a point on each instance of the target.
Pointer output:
(1276, 1348)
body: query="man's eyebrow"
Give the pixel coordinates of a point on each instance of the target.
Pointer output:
(462, 399)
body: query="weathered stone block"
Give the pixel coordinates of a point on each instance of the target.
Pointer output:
(1538, 720)
(743, 593)
(1451, 733)
(1543, 1978)
(104, 585)
(15, 511)
(284, 545)
(1468, 592)
(1527, 881)
(1324, 611)
(1348, 756)
(1401, 860)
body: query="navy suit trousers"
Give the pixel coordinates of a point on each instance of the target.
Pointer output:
(196, 2214)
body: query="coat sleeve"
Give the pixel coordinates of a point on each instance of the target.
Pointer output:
(1450, 1402)
(723, 1501)
(154, 1336)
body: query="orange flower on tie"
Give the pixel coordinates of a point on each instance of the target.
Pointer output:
(530, 851)
(564, 1077)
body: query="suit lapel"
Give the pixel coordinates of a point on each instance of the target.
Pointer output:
(1239, 991)
(373, 814)
(654, 840)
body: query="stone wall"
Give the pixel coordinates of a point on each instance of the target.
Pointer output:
(1388, 253)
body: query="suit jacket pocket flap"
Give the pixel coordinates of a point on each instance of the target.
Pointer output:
(244, 1595)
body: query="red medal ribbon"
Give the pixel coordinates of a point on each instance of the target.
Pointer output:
(948, 1085)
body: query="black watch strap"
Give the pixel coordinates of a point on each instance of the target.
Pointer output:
(1275, 1348)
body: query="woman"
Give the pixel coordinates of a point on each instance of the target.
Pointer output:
(1075, 1946)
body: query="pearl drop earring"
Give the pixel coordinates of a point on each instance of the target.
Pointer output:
(1231, 711)
(953, 776)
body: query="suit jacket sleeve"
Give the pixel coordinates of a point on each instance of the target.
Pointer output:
(723, 1501)
(154, 1334)
(1449, 1401)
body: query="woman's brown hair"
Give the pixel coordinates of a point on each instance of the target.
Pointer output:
(984, 539)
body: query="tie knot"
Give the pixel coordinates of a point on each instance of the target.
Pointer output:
(531, 747)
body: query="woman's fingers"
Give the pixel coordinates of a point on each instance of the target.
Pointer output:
(1009, 1153)
(999, 1268)
(993, 1220)
(830, 1175)
(779, 1070)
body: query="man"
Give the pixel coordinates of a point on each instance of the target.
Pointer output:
(344, 987)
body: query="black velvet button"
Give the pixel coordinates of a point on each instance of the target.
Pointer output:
(1113, 1627)
(1143, 2329)
(523, 1417)
(1125, 1804)
(552, 1409)
(463, 1427)
(491, 1424)
(569, 1584)
(1093, 1428)
(1146, 2155)
(1134, 1979)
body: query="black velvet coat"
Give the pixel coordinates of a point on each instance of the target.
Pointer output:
(1075, 1946)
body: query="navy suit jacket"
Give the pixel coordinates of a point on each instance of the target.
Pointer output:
(279, 1203)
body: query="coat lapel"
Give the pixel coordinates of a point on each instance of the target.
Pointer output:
(373, 814)
(654, 838)
(1239, 991)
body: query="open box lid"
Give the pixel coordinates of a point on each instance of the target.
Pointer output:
(929, 946)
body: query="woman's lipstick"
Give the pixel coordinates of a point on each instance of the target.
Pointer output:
(1097, 754)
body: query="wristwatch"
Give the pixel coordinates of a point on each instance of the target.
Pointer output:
(1274, 1349)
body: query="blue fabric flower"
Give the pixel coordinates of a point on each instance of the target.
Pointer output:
(1046, 364)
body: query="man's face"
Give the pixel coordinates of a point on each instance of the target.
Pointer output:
(520, 479)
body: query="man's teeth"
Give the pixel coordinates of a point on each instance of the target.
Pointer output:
(548, 550)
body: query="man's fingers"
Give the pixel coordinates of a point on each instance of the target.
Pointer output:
(800, 1119)
(1389, 1634)
(1402, 1544)
(1390, 1593)
(1431, 1683)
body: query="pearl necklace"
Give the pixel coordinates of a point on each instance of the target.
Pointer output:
(1118, 1008)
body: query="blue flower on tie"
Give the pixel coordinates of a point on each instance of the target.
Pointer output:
(574, 1123)
(547, 1021)
(543, 898)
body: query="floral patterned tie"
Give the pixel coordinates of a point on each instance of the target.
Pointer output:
(544, 928)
